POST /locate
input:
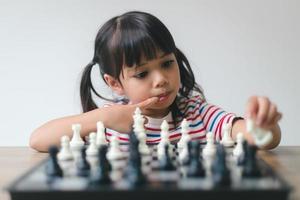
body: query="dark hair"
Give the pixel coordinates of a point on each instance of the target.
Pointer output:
(125, 39)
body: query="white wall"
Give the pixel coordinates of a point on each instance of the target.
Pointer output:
(237, 48)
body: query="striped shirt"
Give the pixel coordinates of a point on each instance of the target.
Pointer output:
(202, 117)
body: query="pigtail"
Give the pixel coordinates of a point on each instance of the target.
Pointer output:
(187, 76)
(86, 88)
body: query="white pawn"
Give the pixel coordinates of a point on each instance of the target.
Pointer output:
(101, 138)
(261, 137)
(164, 135)
(92, 150)
(227, 140)
(76, 142)
(114, 152)
(140, 132)
(185, 137)
(210, 148)
(65, 151)
(238, 150)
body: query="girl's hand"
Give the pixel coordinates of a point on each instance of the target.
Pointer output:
(263, 112)
(120, 117)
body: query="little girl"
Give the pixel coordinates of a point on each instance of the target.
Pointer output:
(139, 61)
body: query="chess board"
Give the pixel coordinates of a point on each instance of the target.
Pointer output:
(160, 184)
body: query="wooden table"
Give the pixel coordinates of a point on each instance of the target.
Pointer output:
(16, 160)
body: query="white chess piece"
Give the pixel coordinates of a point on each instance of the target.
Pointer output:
(183, 142)
(238, 150)
(101, 139)
(92, 149)
(261, 137)
(185, 137)
(114, 152)
(226, 139)
(65, 152)
(140, 131)
(164, 139)
(76, 142)
(210, 148)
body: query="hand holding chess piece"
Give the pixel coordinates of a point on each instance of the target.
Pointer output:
(262, 121)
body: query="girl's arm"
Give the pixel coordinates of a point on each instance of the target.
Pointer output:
(116, 117)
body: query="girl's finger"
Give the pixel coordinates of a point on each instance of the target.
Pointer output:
(271, 115)
(252, 107)
(263, 110)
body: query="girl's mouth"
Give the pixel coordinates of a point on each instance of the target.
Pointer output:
(163, 97)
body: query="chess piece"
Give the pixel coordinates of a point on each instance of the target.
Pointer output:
(241, 160)
(164, 135)
(261, 136)
(185, 137)
(165, 161)
(114, 152)
(238, 150)
(65, 152)
(76, 142)
(226, 138)
(83, 167)
(133, 172)
(196, 168)
(220, 171)
(102, 172)
(251, 169)
(140, 132)
(101, 138)
(53, 169)
(92, 149)
(209, 150)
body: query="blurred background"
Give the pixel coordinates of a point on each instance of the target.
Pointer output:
(237, 48)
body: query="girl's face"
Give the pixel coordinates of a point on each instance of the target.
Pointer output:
(153, 78)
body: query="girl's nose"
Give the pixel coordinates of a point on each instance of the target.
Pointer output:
(160, 79)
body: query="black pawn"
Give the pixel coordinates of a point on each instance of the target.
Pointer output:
(83, 167)
(221, 173)
(102, 173)
(53, 169)
(243, 157)
(251, 168)
(196, 168)
(133, 173)
(165, 162)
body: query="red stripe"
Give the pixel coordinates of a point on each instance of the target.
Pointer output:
(221, 125)
(193, 99)
(192, 119)
(211, 106)
(193, 111)
(157, 129)
(196, 131)
(210, 117)
(120, 138)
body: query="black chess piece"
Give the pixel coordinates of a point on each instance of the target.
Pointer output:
(102, 173)
(221, 173)
(165, 162)
(133, 172)
(53, 169)
(251, 169)
(83, 167)
(242, 158)
(196, 168)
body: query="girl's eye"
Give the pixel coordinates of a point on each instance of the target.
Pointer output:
(141, 75)
(167, 63)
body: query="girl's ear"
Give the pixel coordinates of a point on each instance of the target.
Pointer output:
(114, 84)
